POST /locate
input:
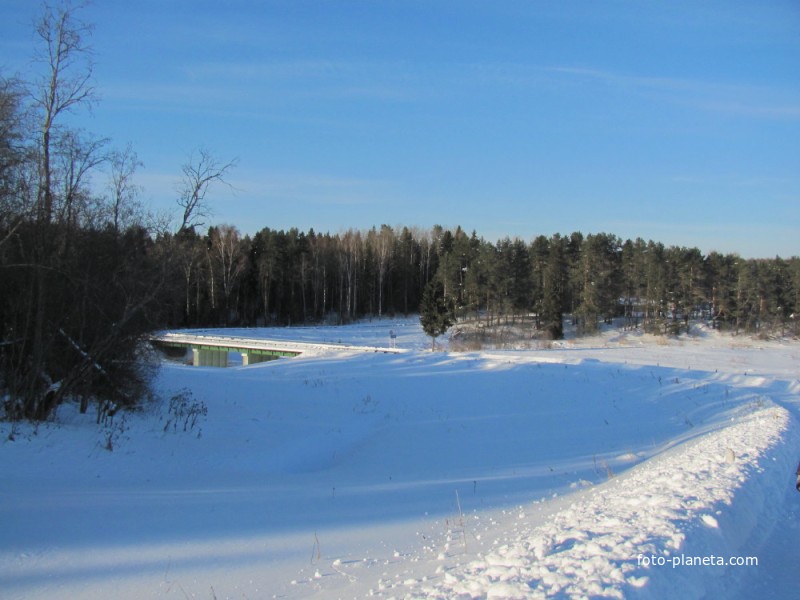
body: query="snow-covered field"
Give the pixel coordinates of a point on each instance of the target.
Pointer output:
(571, 471)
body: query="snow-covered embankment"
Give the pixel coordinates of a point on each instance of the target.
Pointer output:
(640, 534)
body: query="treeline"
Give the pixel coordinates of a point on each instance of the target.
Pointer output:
(291, 277)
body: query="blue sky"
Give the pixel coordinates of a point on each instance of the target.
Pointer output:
(674, 121)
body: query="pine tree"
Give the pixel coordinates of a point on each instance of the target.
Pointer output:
(435, 311)
(553, 282)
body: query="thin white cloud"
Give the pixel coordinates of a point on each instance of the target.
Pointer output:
(312, 188)
(738, 99)
(387, 80)
(269, 70)
(237, 85)
(247, 89)
(165, 95)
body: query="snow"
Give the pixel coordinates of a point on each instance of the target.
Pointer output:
(568, 471)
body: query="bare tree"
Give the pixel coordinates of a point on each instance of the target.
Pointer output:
(226, 247)
(350, 256)
(123, 206)
(199, 172)
(188, 255)
(64, 85)
(386, 240)
(13, 155)
(77, 154)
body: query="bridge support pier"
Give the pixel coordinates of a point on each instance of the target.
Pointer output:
(253, 358)
(202, 357)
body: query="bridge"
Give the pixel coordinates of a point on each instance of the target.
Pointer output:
(212, 351)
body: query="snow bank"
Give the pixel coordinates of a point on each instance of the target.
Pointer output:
(639, 534)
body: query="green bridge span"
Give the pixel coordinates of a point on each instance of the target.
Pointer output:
(214, 353)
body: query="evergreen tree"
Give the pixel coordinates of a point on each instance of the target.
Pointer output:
(539, 253)
(435, 311)
(655, 301)
(723, 278)
(553, 290)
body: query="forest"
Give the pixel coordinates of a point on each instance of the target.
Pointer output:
(293, 277)
(87, 273)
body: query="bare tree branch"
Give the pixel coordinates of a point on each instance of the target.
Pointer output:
(201, 170)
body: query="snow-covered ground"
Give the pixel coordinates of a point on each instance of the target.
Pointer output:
(571, 471)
